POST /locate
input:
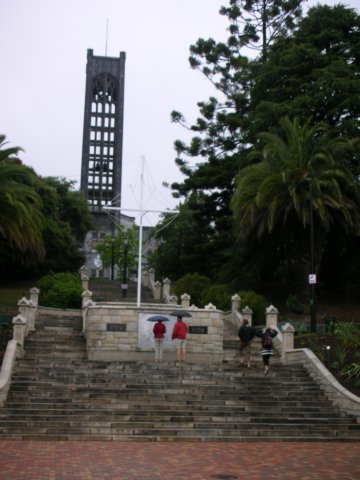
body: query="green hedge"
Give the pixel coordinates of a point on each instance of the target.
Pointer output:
(60, 290)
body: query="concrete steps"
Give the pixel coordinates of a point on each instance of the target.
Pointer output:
(57, 394)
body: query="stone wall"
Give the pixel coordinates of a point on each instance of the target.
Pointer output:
(122, 332)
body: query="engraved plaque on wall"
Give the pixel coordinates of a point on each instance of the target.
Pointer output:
(116, 327)
(198, 329)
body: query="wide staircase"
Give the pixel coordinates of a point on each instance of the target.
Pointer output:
(104, 290)
(57, 394)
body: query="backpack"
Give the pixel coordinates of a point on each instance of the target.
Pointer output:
(267, 341)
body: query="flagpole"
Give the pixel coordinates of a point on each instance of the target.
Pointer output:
(139, 280)
(142, 213)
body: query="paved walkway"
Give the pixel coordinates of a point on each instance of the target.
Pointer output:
(37, 460)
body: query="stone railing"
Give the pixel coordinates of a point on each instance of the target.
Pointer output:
(23, 324)
(340, 396)
(13, 351)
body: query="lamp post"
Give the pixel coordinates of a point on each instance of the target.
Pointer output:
(312, 275)
(124, 285)
(112, 256)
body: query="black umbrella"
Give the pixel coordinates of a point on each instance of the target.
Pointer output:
(180, 313)
(157, 318)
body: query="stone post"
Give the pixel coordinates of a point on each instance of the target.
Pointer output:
(152, 275)
(83, 271)
(271, 314)
(85, 306)
(235, 303)
(166, 288)
(173, 300)
(84, 277)
(185, 301)
(19, 325)
(145, 279)
(288, 332)
(34, 296)
(85, 282)
(247, 314)
(31, 317)
(24, 311)
(86, 297)
(157, 290)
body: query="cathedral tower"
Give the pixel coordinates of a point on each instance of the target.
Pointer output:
(101, 168)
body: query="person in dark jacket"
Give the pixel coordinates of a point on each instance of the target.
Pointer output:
(246, 335)
(159, 331)
(267, 347)
(179, 337)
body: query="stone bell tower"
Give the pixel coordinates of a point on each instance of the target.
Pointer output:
(101, 166)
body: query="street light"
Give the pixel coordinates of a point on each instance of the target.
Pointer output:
(124, 285)
(312, 275)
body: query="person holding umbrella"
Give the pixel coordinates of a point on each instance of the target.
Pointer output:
(179, 336)
(159, 331)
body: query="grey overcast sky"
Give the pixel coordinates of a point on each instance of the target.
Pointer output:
(43, 47)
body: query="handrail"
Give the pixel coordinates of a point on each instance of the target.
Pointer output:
(7, 369)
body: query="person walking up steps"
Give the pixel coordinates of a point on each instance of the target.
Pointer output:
(267, 347)
(246, 335)
(179, 336)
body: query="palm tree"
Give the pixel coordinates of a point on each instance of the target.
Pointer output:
(21, 219)
(272, 197)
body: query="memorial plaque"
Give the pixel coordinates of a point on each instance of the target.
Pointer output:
(116, 327)
(198, 329)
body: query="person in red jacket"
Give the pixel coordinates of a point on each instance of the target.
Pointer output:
(159, 331)
(179, 336)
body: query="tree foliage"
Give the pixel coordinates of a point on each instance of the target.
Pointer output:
(21, 219)
(306, 68)
(43, 221)
(114, 249)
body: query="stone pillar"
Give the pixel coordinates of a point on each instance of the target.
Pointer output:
(83, 271)
(85, 282)
(145, 279)
(34, 296)
(157, 291)
(85, 305)
(271, 314)
(288, 332)
(84, 277)
(19, 326)
(152, 275)
(185, 301)
(235, 303)
(86, 297)
(247, 314)
(23, 305)
(173, 300)
(24, 308)
(166, 287)
(31, 317)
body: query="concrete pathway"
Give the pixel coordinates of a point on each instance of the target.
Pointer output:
(38, 460)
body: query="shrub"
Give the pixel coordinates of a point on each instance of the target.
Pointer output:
(60, 290)
(193, 284)
(219, 295)
(347, 335)
(257, 303)
(351, 371)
